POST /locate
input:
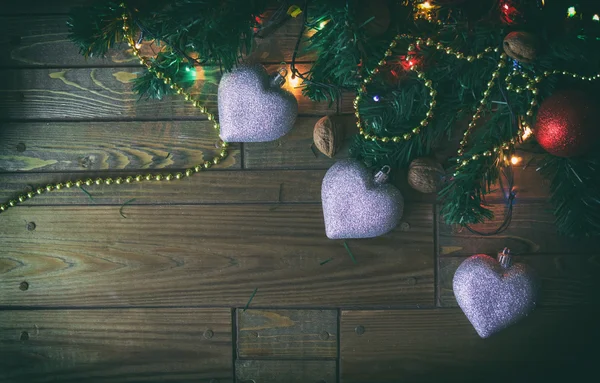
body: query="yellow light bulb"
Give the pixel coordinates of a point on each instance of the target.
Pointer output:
(527, 133)
(515, 160)
(426, 5)
(292, 80)
(138, 45)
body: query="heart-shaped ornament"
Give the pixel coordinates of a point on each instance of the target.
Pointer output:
(494, 294)
(253, 107)
(357, 204)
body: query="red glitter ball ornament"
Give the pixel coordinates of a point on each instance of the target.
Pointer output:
(566, 123)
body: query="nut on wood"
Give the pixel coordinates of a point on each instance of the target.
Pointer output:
(328, 135)
(425, 175)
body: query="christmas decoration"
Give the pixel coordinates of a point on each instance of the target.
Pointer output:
(425, 175)
(446, 65)
(438, 63)
(521, 46)
(253, 107)
(494, 294)
(328, 135)
(357, 204)
(566, 123)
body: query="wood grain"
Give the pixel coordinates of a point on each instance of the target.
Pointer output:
(441, 345)
(565, 279)
(295, 150)
(90, 146)
(125, 345)
(289, 371)
(42, 41)
(209, 255)
(532, 231)
(210, 187)
(287, 334)
(92, 93)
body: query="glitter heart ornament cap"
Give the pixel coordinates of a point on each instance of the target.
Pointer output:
(495, 293)
(358, 204)
(253, 107)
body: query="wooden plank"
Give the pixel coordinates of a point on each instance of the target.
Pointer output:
(440, 345)
(295, 150)
(217, 187)
(210, 187)
(41, 41)
(532, 231)
(92, 93)
(91, 146)
(209, 255)
(287, 334)
(116, 345)
(565, 279)
(289, 371)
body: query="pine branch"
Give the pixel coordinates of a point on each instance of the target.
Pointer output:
(575, 194)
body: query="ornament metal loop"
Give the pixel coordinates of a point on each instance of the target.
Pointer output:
(505, 258)
(279, 77)
(382, 176)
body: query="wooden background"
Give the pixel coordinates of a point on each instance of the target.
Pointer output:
(158, 294)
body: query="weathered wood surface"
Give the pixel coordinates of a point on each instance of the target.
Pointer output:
(42, 41)
(210, 187)
(442, 346)
(532, 231)
(209, 255)
(124, 345)
(566, 279)
(72, 146)
(293, 334)
(96, 93)
(289, 371)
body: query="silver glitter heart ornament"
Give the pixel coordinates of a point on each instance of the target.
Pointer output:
(358, 204)
(253, 107)
(494, 294)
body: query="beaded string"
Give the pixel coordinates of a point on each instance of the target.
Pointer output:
(139, 177)
(531, 86)
(427, 82)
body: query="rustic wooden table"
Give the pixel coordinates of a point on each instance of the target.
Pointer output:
(157, 293)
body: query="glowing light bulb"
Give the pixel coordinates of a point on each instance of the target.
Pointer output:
(596, 17)
(527, 132)
(138, 45)
(506, 6)
(323, 24)
(293, 81)
(426, 5)
(571, 12)
(515, 160)
(376, 98)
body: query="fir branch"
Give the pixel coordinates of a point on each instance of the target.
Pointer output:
(575, 194)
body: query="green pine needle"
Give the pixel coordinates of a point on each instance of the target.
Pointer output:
(251, 298)
(122, 206)
(326, 261)
(87, 193)
(350, 252)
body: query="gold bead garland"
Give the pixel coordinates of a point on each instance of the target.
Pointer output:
(139, 177)
(417, 42)
(531, 87)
